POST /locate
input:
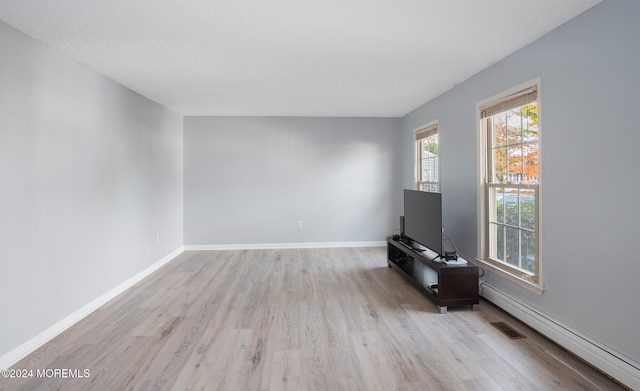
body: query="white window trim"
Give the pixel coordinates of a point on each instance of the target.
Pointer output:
(482, 194)
(418, 157)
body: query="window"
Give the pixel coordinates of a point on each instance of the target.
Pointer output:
(427, 162)
(510, 187)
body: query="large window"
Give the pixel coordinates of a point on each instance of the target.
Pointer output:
(427, 161)
(511, 184)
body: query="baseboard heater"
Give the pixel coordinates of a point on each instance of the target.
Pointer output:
(614, 364)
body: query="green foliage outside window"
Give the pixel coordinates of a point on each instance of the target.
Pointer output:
(520, 243)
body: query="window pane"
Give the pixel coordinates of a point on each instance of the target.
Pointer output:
(430, 146)
(512, 236)
(500, 129)
(430, 170)
(496, 235)
(530, 117)
(527, 209)
(429, 159)
(528, 251)
(531, 162)
(428, 187)
(514, 161)
(511, 211)
(499, 165)
(514, 127)
(499, 197)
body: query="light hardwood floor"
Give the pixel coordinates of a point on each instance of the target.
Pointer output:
(311, 319)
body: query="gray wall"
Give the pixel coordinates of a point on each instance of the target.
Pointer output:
(90, 172)
(249, 180)
(590, 138)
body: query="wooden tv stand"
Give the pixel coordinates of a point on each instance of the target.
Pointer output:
(457, 285)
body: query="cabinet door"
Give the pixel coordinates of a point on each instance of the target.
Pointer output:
(458, 283)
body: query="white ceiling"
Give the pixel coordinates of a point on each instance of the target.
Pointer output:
(370, 58)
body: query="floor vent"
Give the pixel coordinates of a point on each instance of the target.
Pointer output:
(507, 330)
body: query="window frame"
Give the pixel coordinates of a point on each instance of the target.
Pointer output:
(422, 133)
(533, 283)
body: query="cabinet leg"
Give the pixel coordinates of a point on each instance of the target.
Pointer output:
(442, 309)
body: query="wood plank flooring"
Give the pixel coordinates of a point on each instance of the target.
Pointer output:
(308, 319)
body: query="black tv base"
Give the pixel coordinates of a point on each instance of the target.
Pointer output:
(455, 285)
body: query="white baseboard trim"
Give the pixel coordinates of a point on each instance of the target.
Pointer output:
(614, 364)
(269, 246)
(17, 354)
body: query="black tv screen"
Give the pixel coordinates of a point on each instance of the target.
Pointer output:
(423, 218)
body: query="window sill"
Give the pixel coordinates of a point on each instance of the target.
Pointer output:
(523, 282)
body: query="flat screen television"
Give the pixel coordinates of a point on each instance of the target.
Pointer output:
(423, 218)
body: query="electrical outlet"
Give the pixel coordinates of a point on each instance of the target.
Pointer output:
(157, 238)
(299, 223)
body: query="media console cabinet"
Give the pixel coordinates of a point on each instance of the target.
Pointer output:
(457, 285)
